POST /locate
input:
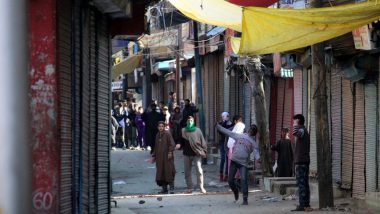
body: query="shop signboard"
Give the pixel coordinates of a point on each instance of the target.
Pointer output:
(362, 38)
(117, 85)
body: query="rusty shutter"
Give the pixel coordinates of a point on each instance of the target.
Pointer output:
(103, 96)
(358, 190)
(281, 92)
(313, 137)
(336, 124)
(64, 51)
(305, 95)
(347, 133)
(289, 103)
(226, 89)
(297, 80)
(371, 136)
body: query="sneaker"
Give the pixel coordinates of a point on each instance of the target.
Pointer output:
(148, 148)
(202, 190)
(245, 202)
(113, 148)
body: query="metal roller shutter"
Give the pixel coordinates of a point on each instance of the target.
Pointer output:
(347, 133)
(371, 136)
(64, 68)
(313, 137)
(103, 101)
(358, 190)
(85, 114)
(93, 108)
(226, 89)
(76, 103)
(305, 95)
(247, 104)
(281, 92)
(288, 108)
(297, 80)
(336, 125)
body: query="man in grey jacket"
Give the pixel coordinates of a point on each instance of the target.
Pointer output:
(245, 144)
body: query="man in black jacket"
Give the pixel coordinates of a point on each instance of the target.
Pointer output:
(188, 110)
(302, 161)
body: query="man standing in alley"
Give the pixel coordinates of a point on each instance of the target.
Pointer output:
(240, 158)
(163, 156)
(120, 115)
(226, 123)
(194, 149)
(302, 161)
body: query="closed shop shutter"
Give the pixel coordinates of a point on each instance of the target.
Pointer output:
(370, 137)
(233, 92)
(289, 102)
(359, 144)
(64, 32)
(247, 104)
(336, 125)
(85, 114)
(281, 92)
(305, 95)
(103, 103)
(347, 133)
(93, 110)
(313, 137)
(76, 104)
(297, 79)
(226, 91)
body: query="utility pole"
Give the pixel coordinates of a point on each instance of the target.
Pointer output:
(324, 166)
(198, 77)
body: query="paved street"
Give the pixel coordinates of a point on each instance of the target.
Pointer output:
(135, 191)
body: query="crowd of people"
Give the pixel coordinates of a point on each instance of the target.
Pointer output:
(165, 128)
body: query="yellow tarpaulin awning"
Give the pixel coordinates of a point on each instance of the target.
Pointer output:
(127, 66)
(267, 30)
(270, 30)
(214, 12)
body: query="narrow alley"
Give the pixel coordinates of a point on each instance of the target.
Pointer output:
(277, 100)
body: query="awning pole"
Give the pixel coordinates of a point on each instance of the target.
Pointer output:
(15, 162)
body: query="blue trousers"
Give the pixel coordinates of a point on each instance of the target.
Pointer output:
(243, 178)
(222, 150)
(302, 176)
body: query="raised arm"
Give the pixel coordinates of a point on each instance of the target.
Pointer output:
(227, 132)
